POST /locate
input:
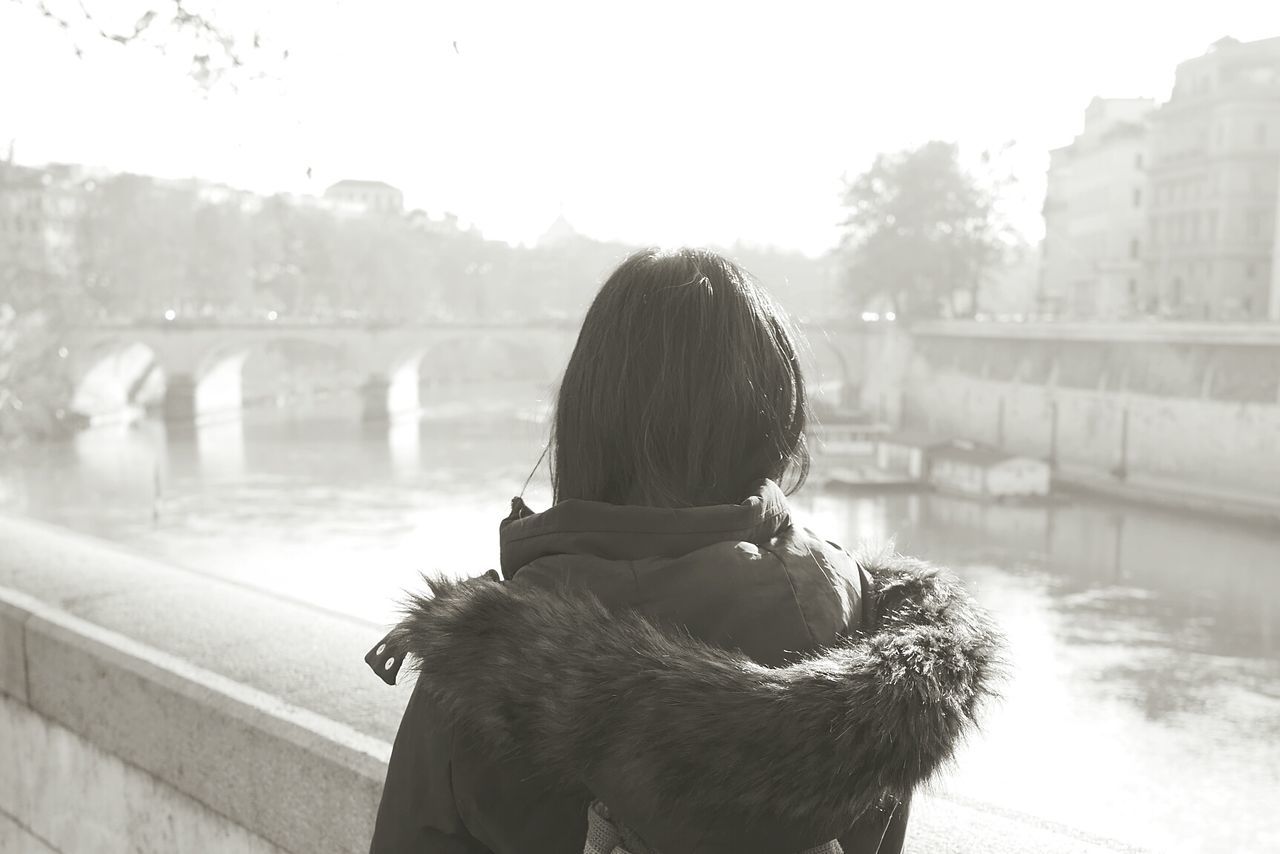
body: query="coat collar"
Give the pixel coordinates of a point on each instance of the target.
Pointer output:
(630, 532)
(698, 748)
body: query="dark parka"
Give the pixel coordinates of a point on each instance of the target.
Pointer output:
(722, 679)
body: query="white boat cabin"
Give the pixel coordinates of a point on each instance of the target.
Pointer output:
(844, 439)
(971, 469)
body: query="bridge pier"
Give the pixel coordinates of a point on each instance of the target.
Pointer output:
(216, 396)
(180, 399)
(387, 398)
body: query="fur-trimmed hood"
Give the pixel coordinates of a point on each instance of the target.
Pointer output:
(695, 747)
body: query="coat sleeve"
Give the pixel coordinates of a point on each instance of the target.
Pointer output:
(418, 814)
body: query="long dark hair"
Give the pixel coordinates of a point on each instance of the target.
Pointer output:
(684, 388)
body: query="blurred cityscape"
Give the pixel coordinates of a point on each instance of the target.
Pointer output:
(132, 247)
(1169, 209)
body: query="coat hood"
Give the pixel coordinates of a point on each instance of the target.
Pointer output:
(738, 576)
(694, 747)
(630, 532)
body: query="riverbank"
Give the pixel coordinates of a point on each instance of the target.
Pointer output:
(1190, 413)
(1174, 494)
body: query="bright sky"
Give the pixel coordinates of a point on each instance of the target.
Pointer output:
(667, 122)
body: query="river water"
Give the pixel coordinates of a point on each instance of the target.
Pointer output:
(1144, 701)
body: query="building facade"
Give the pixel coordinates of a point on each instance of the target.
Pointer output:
(1095, 214)
(38, 208)
(367, 196)
(1274, 311)
(1214, 173)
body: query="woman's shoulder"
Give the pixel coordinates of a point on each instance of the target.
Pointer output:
(787, 595)
(828, 584)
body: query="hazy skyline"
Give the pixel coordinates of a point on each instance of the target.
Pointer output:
(661, 123)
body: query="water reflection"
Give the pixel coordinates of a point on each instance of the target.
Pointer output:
(404, 441)
(220, 449)
(1146, 674)
(111, 458)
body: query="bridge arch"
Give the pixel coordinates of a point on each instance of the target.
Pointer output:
(113, 377)
(201, 379)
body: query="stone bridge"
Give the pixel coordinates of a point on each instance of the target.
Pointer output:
(198, 368)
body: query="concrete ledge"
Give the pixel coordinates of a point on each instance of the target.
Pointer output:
(19, 839)
(294, 778)
(81, 798)
(14, 610)
(308, 657)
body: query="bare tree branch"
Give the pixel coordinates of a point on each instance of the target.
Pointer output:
(215, 51)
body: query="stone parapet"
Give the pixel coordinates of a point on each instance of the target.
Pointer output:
(204, 749)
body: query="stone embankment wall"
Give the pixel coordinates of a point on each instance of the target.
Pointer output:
(1190, 408)
(112, 744)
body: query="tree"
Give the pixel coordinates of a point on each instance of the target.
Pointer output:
(37, 297)
(215, 51)
(135, 240)
(220, 259)
(923, 232)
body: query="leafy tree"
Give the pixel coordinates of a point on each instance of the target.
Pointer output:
(135, 242)
(219, 259)
(37, 297)
(922, 232)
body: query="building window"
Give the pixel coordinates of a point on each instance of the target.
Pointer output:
(1137, 197)
(1260, 133)
(1133, 288)
(1133, 248)
(1137, 160)
(1250, 270)
(1253, 225)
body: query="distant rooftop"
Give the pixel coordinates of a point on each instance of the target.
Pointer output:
(354, 184)
(1232, 63)
(13, 175)
(558, 232)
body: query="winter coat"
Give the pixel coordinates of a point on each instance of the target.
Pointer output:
(720, 678)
